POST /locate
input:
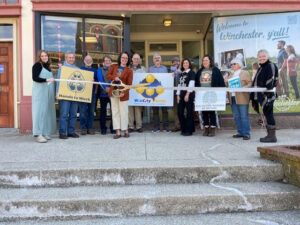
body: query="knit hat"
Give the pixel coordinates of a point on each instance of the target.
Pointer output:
(238, 61)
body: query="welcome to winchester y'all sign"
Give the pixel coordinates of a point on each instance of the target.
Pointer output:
(242, 36)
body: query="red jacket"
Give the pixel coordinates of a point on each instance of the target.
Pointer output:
(126, 77)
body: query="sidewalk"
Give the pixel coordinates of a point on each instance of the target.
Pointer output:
(146, 149)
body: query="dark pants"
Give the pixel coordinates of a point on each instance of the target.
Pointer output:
(186, 123)
(268, 113)
(87, 111)
(209, 118)
(104, 101)
(293, 80)
(156, 117)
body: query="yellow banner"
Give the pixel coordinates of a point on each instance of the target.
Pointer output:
(75, 91)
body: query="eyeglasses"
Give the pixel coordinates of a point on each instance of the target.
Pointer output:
(233, 64)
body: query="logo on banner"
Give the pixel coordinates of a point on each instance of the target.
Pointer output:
(75, 86)
(150, 92)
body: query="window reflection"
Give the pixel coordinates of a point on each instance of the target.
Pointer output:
(61, 35)
(103, 37)
(6, 31)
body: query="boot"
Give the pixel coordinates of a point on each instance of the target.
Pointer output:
(206, 131)
(212, 131)
(271, 136)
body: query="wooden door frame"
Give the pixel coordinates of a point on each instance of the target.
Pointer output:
(11, 109)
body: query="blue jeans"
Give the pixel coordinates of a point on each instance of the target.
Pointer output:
(67, 116)
(87, 111)
(241, 118)
(104, 101)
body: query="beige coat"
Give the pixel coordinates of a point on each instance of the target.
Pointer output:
(242, 98)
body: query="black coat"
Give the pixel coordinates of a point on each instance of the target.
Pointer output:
(216, 81)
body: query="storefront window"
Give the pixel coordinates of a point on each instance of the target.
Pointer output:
(6, 31)
(12, 1)
(103, 37)
(60, 35)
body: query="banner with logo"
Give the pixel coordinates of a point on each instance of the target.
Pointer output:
(143, 96)
(210, 101)
(243, 36)
(75, 91)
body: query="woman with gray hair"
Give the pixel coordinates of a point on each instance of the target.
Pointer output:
(239, 101)
(266, 77)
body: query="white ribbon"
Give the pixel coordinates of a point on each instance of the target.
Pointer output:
(254, 89)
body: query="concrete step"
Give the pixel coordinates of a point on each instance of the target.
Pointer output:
(139, 175)
(146, 200)
(249, 218)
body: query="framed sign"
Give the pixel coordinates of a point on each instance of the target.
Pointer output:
(74, 90)
(210, 101)
(143, 96)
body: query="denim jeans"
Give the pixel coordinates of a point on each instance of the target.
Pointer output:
(87, 114)
(241, 118)
(67, 116)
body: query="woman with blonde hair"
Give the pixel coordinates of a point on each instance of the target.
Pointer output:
(43, 99)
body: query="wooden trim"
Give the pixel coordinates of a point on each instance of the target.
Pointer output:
(10, 10)
(165, 5)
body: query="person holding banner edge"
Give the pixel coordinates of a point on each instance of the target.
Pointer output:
(158, 68)
(67, 109)
(119, 102)
(185, 99)
(43, 99)
(239, 101)
(209, 76)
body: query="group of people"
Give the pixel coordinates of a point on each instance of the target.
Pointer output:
(126, 119)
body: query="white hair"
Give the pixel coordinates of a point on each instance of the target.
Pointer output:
(263, 51)
(156, 54)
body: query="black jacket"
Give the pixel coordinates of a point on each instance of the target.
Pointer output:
(266, 77)
(217, 78)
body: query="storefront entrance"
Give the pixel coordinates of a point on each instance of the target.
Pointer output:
(6, 85)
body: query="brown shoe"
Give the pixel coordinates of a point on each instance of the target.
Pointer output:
(176, 129)
(83, 132)
(91, 132)
(117, 136)
(212, 132)
(63, 136)
(126, 135)
(73, 135)
(206, 131)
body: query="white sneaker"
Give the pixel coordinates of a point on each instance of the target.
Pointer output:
(41, 139)
(47, 137)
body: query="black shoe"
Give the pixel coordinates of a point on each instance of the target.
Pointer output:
(113, 132)
(186, 134)
(237, 136)
(246, 138)
(140, 130)
(130, 130)
(63, 136)
(73, 135)
(103, 132)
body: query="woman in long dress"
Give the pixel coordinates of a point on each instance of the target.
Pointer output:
(43, 99)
